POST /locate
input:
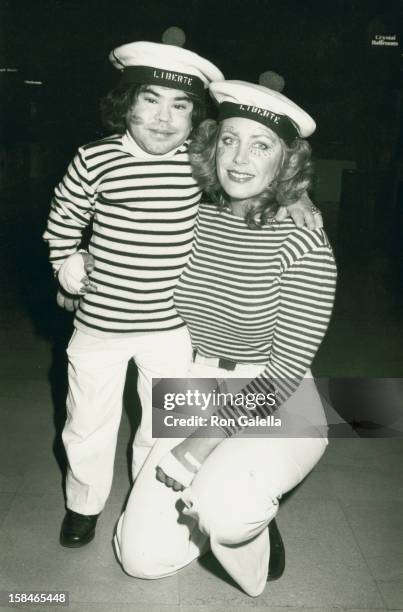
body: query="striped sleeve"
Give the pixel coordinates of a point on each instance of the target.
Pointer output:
(306, 300)
(71, 210)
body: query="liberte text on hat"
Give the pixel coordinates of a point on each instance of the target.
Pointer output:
(166, 65)
(264, 105)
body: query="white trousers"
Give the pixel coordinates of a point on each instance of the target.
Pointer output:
(97, 372)
(228, 506)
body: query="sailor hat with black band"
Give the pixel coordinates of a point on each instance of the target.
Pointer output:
(259, 103)
(167, 65)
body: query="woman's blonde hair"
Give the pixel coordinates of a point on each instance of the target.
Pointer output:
(293, 179)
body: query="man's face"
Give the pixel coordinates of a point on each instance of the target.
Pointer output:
(161, 119)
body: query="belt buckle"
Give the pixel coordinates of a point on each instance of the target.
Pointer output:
(226, 364)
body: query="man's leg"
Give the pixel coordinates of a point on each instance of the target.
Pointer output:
(97, 370)
(157, 355)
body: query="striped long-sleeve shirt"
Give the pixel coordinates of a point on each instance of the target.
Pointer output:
(257, 296)
(143, 212)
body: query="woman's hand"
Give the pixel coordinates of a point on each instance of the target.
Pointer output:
(303, 212)
(190, 454)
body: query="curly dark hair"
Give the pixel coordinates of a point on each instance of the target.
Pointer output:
(117, 103)
(293, 179)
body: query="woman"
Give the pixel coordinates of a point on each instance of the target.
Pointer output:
(256, 296)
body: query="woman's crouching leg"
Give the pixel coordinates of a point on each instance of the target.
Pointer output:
(233, 502)
(236, 495)
(238, 536)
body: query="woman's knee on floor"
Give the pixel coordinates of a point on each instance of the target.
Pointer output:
(144, 554)
(145, 562)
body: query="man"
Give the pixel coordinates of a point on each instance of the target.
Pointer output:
(137, 189)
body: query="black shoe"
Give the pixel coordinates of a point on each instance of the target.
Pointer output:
(277, 553)
(77, 529)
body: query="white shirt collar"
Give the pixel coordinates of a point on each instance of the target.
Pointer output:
(131, 146)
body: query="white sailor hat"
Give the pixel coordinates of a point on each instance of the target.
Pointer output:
(166, 65)
(259, 103)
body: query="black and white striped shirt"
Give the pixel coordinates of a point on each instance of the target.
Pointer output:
(143, 212)
(257, 296)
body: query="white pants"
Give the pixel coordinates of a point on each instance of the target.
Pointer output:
(97, 372)
(228, 506)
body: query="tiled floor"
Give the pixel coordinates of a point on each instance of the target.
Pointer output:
(343, 526)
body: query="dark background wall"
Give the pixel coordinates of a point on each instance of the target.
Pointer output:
(326, 53)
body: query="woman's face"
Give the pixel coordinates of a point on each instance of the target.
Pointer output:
(248, 157)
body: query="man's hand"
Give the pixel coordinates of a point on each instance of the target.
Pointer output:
(302, 213)
(74, 280)
(73, 275)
